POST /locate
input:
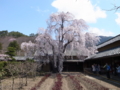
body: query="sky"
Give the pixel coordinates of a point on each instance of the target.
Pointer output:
(28, 16)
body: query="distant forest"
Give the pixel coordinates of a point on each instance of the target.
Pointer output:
(15, 34)
(104, 39)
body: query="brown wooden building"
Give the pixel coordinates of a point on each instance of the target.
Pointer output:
(71, 62)
(108, 52)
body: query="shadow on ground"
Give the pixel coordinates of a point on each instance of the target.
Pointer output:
(113, 80)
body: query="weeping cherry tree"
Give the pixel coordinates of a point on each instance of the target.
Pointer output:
(29, 48)
(69, 31)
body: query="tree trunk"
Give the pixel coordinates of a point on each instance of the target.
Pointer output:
(26, 81)
(20, 82)
(60, 62)
(61, 56)
(0, 84)
(55, 60)
(13, 83)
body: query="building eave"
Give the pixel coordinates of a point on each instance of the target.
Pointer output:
(108, 53)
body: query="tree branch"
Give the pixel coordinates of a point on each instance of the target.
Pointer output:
(67, 44)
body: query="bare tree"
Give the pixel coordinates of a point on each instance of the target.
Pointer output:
(2, 73)
(33, 69)
(27, 68)
(21, 70)
(115, 8)
(12, 68)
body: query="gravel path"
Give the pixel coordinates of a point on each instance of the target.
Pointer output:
(67, 84)
(112, 87)
(64, 84)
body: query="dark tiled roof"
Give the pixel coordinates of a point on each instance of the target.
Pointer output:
(70, 52)
(4, 57)
(22, 58)
(74, 53)
(74, 61)
(108, 53)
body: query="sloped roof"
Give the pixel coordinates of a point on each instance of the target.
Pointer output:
(4, 57)
(22, 58)
(112, 40)
(107, 53)
(73, 60)
(74, 53)
(70, 53)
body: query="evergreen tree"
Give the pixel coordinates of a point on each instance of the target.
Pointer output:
(0, 46)
(15, 34)
(15, 45)
(11, 51)
(3, 33)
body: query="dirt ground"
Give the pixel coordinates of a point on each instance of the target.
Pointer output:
(112, 87)
(7, 83)
(48, 84)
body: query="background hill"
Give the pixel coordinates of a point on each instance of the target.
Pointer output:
(6, 40)
(5, 37)
(104, 39)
